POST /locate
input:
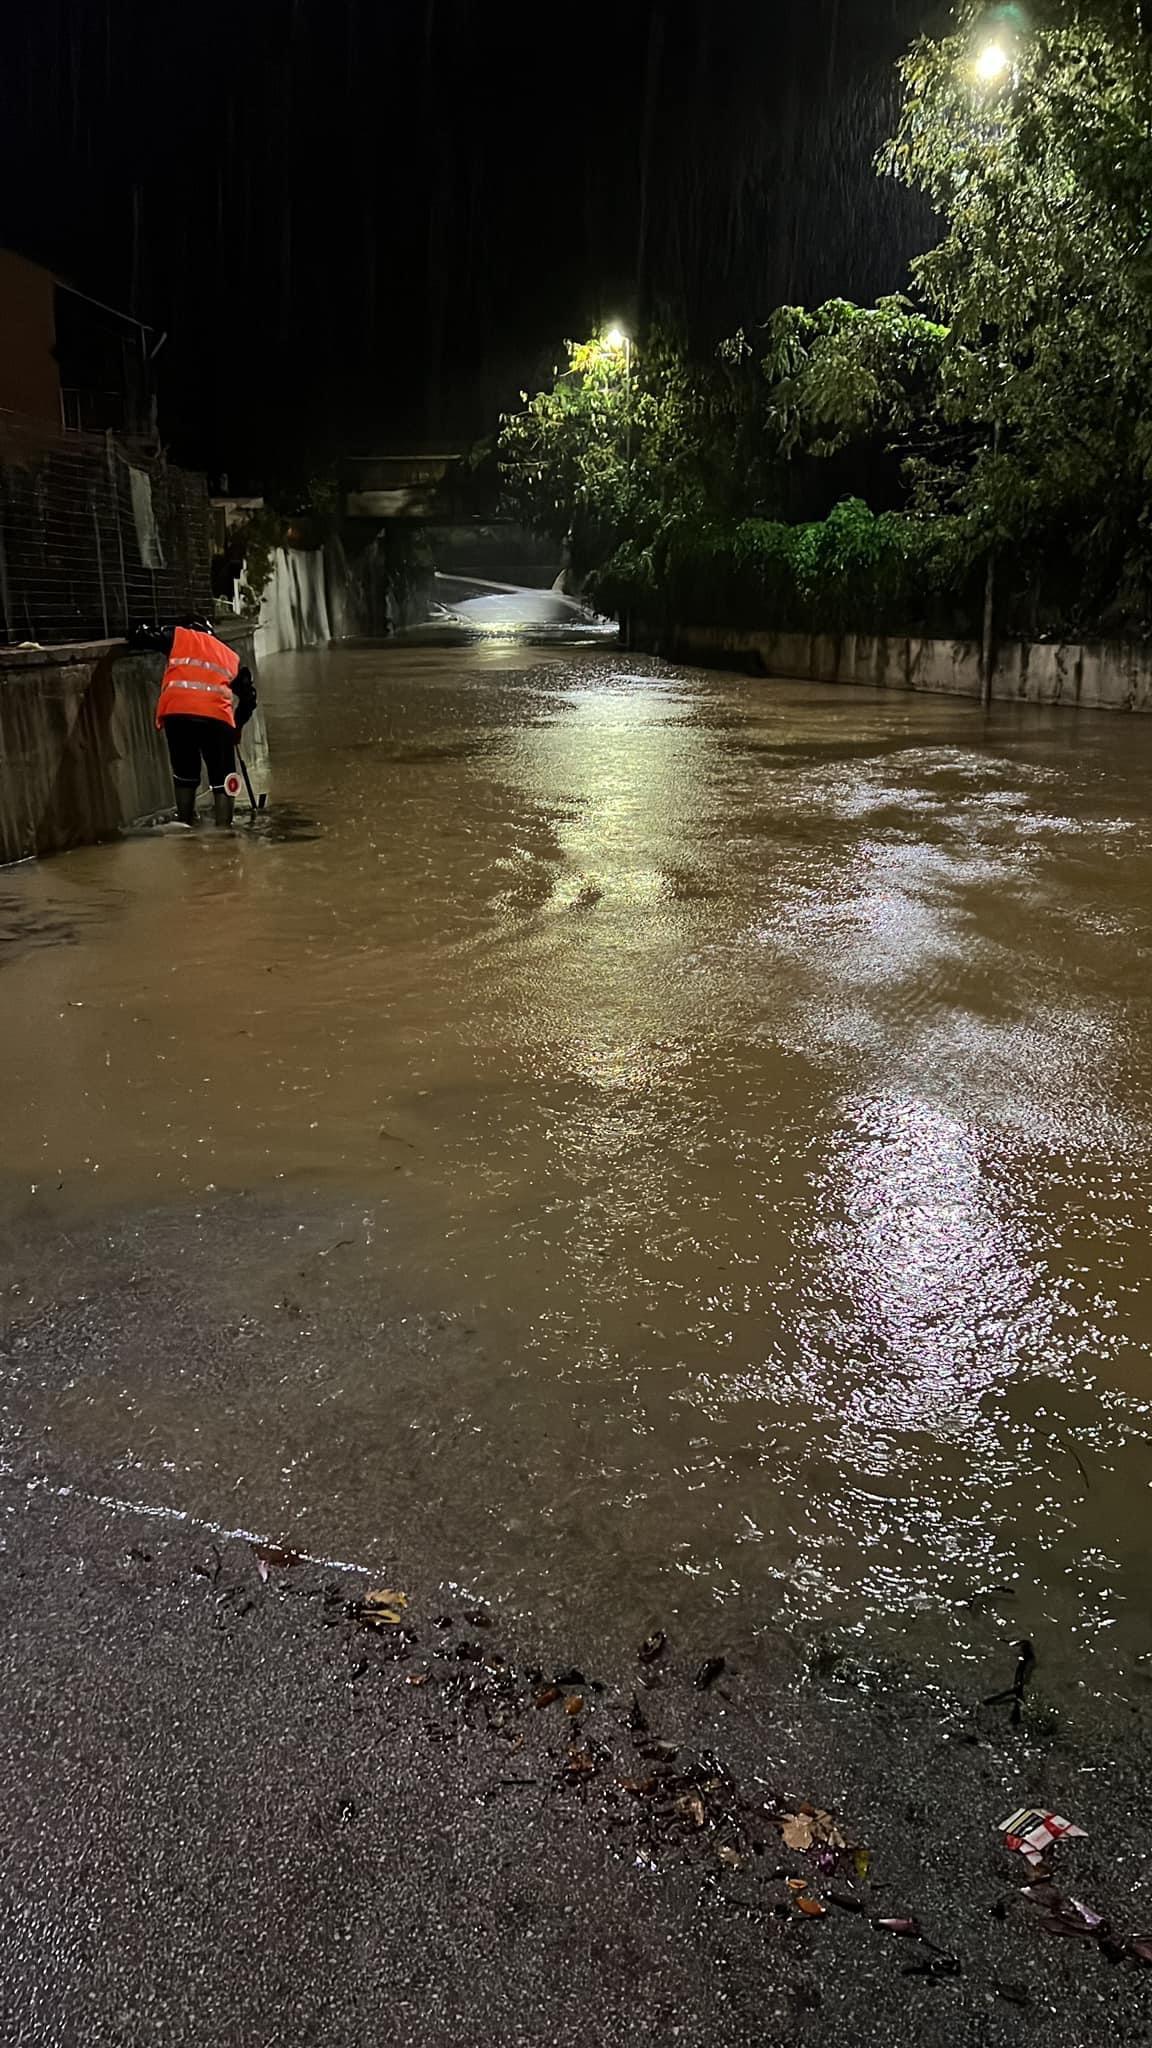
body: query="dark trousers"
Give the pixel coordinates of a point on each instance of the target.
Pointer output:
(192, 740)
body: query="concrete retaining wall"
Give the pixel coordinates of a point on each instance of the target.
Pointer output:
(80, 756)
(294, 607)
(1107, 676)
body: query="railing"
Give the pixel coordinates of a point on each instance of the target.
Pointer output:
(94, 535)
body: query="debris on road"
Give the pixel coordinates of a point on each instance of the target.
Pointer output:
(1072, 1920)
(709, 1672)
(1025, 1666)
(810, 1827)
(383, 1609)
(1031, 1832)
(652, 1647)
(211, 1567)
(269, 1557)
(659, 1751)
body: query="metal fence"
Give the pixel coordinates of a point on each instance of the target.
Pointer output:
(94, 536)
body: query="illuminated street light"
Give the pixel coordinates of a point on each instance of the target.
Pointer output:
(992, 63)
(616, 339)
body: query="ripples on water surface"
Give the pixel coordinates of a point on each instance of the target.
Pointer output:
(758, 1070)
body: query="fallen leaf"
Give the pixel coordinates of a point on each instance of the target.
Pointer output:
(652, 1647)
(861, 1859)
(417, 1678)
(708, 1673)
(640, 1788)
(797, 1884)
(813, 1907)
(268, 1557)
(660, 1752)
(383, 1609)
(575, 1705)
(692, 1807)
(547, 1696)
(636, 1720)
(1141, 1947)
(580, 1764)
(1043, 1894)
(1072, 1930)
(798, 1831)
(732, 1857)
(900, 1926)
(846, 1902)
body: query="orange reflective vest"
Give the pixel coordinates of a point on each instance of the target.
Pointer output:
(198, 679)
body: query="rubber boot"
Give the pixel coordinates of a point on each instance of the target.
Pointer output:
(186, 794)
(223, 807)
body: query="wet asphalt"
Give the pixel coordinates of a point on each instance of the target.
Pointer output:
(236, 1813)
(409, 1272)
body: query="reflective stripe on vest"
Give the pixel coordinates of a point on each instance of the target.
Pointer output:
(214, 689)
(198, 678)
(196, 661)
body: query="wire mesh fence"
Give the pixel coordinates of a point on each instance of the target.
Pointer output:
(94, 535)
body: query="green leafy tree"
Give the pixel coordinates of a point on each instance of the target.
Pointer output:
(843, 372)
(624, 445)
(1033, 142)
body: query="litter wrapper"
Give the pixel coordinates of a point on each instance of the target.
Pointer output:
(1033, 1832)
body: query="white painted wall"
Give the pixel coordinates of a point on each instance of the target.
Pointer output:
(294, 607)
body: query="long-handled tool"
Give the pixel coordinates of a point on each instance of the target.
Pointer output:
(256, 803)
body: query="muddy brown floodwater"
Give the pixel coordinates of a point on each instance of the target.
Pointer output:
(748, 1080)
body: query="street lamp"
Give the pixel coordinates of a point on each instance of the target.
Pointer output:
(992, 63)
(617, 340)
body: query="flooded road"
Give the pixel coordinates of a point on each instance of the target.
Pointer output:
(739, 1090)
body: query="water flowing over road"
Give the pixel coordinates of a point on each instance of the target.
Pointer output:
(735, 1093)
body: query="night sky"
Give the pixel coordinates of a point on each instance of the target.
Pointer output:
(365, 223)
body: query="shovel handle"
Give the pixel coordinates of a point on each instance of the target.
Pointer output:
(247, 780)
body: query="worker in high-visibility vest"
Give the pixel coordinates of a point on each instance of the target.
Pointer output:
(205, 698)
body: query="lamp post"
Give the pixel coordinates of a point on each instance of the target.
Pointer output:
(994, 68)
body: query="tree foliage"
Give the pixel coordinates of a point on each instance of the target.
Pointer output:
(622, 442)
(1011, 384)
(1043, 279)
(844, 371)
